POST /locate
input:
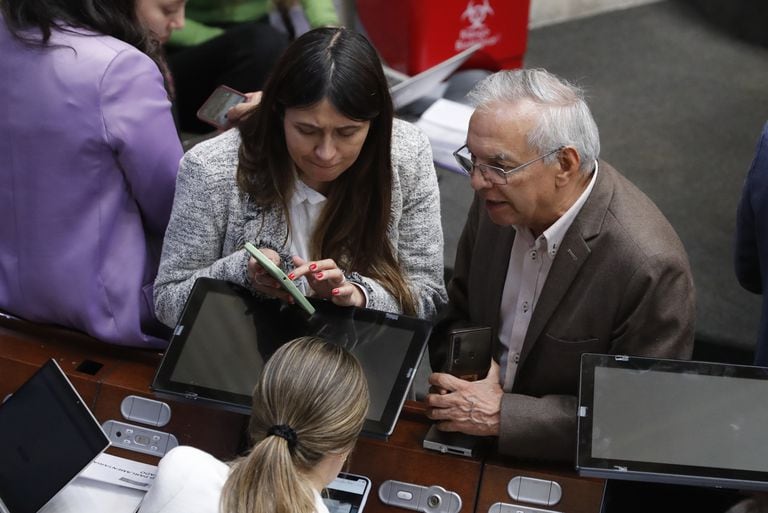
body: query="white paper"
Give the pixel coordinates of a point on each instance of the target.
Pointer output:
(86, 495)
(120, 471)
(446, 122)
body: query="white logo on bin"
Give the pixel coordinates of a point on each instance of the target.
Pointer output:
(476, 13)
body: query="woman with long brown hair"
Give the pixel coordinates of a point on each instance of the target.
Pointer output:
(320, 178)
(308, 409)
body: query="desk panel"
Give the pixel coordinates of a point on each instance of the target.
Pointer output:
(126, 371)
(402, 458)
(579, 494)
(123, 372)
(21, 356)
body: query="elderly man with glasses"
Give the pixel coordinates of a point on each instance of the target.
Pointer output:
(560, 255)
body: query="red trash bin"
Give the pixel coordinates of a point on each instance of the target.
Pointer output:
(413, 35)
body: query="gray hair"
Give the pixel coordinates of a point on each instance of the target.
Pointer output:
(565, 117)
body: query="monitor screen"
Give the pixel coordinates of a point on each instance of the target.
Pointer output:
(48, 437)
(673, 421)
(226, 335)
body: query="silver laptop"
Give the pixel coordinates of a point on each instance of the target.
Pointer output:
(48, 437)
(405, 89)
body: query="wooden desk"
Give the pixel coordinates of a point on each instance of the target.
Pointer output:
(479, 484)
(579, 494)
(122, 372)
(126, 371)
(401, 458)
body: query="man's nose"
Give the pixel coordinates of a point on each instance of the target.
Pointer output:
(478, 181)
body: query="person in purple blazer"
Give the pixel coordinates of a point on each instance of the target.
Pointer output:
(88, 161)
(751, 248)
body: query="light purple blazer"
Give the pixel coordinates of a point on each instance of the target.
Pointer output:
(88, 161)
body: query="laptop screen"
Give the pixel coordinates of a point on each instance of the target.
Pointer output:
(48, 437)
(673, 421)
(226, 334)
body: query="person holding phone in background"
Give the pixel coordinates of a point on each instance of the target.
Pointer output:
(308, 410)
(322, 180)
(230, 42)
(88, 163)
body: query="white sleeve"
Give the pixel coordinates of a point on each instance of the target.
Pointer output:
(188, 479)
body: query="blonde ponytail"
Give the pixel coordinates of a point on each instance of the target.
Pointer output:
(311, 400)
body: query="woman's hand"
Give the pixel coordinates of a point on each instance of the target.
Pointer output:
(328, 281)
(263, 282)
(240, 111)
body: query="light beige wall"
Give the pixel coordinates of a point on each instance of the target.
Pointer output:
(547, 12)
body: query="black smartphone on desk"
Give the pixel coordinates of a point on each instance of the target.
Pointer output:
(448, 442)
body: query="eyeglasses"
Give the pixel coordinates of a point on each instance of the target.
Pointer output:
(494, 174)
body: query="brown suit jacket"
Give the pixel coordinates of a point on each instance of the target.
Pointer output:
(620, 284)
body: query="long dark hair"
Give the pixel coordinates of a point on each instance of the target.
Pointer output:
(116, 18)
(339, 65)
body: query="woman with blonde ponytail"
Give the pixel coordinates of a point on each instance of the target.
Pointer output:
(308, 409)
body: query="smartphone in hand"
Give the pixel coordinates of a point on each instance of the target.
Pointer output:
(348, 492)
(280, 276)
(214, 110)
(469, 353)
(469, 358)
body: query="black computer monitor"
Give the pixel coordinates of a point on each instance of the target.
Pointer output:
(673, 421)
(226, 335)
(48, 436)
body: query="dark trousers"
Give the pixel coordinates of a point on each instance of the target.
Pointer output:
(241, 58)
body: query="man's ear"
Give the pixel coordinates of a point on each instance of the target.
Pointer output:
(569, 161)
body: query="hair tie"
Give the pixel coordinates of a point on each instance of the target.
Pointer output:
(284, 431)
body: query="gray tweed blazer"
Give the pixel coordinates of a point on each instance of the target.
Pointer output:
(211, 221)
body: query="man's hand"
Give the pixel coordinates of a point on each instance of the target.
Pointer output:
(471, 407)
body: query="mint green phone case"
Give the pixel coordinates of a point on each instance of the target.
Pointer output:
(280, 276)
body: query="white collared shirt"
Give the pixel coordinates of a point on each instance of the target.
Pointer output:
(529, 263)
(305, 207)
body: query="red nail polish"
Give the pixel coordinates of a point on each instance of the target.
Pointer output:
(335, 292)
(319, 276)
(291, 276)
(312, 267)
